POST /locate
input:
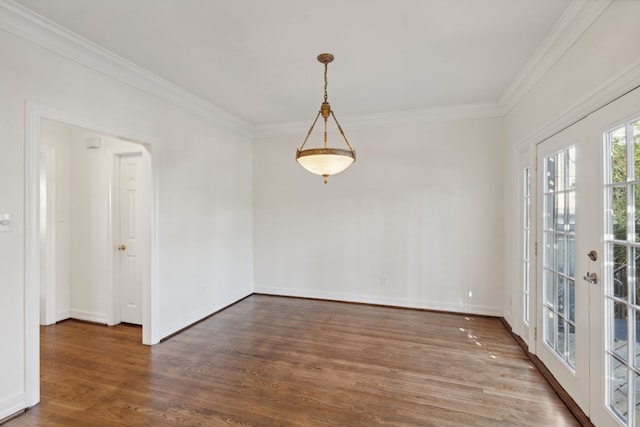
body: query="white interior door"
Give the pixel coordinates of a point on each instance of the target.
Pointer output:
(131, 239)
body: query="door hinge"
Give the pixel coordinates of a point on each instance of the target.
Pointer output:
(535, 249)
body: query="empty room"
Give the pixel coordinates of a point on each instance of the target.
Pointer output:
(292, 213)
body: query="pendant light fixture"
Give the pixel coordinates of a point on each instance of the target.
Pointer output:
(325, 161)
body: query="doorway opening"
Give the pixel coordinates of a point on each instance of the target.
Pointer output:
(93, 199)
(93, 213)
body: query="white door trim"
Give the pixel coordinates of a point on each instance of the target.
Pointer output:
(34, 114)
(48, 314)
(534, 247)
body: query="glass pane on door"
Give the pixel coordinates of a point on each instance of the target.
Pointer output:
(559, 255)
(622, 288)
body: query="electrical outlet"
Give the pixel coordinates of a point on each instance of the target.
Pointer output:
(383, 280)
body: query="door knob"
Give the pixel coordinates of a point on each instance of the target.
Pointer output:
(593, 255)
(122, 247)
(591, 278)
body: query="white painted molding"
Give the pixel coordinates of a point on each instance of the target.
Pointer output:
(26, 24)
(619, 84)
(199, 314)
(395, 302)
(89, 316)
(572, 24)
(40, 31)
(32, 256)
(63, 315)
(48, 273)
(507, 317)
(12, 406)
(396, 118)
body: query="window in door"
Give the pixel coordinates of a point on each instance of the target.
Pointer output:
(526, 236)
(559, 255)
(622, 267)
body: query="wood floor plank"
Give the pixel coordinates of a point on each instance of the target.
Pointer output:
(273, 361)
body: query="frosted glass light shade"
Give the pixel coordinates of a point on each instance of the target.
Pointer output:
(325, 161)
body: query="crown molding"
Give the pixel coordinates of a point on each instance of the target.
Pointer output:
(576, 19)
(394, 118)
(627, 80)
(34, 28)
(40, 31)
(572, 24)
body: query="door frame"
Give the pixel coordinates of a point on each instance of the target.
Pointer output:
(47, 243)
(524, 156)
(34, 114)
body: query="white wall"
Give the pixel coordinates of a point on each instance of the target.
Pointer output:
(90, 251)
(204, 194)
(433, 207)
(422, 206)
(603, 63)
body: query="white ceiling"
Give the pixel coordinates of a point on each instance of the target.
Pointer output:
(257, 58)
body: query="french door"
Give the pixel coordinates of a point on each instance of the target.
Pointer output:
(622, 272)
(563, 330)
(588, 261)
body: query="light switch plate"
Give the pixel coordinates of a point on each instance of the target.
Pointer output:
(5, 222)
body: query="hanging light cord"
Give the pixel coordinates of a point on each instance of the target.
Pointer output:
(326, 66)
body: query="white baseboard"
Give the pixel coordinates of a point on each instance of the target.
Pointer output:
(508, 318)
(377, 300)
(63, 315)
(88, 316)
(12, 406)
(197, 315)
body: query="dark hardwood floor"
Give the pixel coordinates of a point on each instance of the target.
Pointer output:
(272, 361)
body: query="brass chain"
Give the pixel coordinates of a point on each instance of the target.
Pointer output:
(326, 66)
